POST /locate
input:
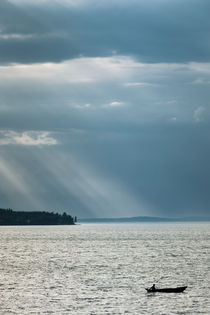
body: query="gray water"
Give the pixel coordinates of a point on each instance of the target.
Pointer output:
(104, 269)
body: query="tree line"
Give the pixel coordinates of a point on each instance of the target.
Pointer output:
(10, 217)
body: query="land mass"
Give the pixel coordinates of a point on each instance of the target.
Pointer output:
(143, 219)
(10, 217)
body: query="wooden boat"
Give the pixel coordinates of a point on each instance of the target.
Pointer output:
(167, 290)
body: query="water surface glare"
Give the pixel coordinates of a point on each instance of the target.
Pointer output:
(104, 269)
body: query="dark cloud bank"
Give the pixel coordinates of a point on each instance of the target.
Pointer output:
(152, 31)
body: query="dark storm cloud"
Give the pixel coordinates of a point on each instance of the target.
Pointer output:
(153, 31)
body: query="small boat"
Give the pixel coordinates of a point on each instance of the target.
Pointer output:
(167, 290)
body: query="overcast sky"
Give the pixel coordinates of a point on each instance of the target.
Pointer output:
(105, 107)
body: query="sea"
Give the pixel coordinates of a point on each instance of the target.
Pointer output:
(98, 269)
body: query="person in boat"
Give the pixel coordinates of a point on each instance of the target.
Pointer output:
(153, 287)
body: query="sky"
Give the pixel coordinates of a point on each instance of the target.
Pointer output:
(105, 107)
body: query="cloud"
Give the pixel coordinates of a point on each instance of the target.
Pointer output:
(198, 113)
(201, 81)
(26, 138)
(48, 96)
(83, 106)
(202, 68)
(116, 104)
(140, 84)
(32, 31)
(91, 70)
(74, 71)
(15, 36)
(44, 2)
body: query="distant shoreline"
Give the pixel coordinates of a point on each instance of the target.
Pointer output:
(143, 219)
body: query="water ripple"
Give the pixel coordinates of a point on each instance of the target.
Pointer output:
(104, 269)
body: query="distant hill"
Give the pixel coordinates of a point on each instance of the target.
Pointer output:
(143, 219)
(10, 217)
